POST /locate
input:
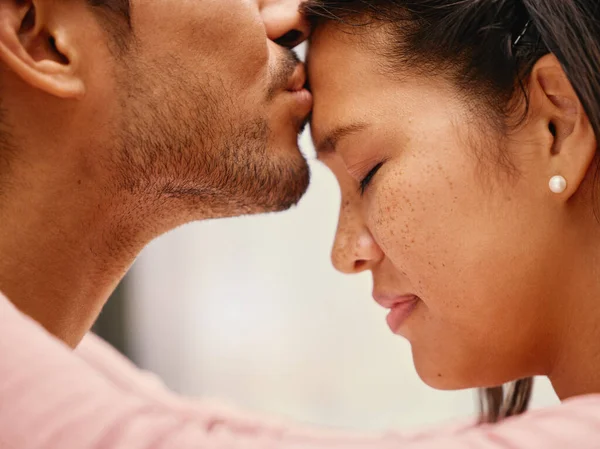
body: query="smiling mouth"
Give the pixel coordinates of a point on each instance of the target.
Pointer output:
(400, 308)
(400, 313)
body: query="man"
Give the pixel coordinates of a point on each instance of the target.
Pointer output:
(122, 120)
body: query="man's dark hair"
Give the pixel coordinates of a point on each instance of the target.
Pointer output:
(487, 48)
(119, 8)
(115, 15)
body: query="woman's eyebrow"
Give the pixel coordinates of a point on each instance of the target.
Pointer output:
(333, 137)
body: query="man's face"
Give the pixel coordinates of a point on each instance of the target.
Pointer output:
(209, 105)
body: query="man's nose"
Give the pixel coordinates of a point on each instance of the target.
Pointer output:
(284, 22)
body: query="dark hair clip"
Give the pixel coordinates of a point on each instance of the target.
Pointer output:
(523, 33)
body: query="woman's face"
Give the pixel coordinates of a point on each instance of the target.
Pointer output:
(433, 210)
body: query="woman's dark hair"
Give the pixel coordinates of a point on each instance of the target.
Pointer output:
(487, 48)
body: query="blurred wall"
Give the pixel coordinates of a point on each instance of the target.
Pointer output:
(112, 323)
(250, 310)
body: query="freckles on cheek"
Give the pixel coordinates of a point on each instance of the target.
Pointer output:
(401, 224)
(390, 216)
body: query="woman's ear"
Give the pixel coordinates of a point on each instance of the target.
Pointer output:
(571, 141)
(36, 43)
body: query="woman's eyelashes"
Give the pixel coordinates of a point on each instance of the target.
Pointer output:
(364, 183)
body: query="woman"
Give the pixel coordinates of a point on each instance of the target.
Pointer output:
(463, 135)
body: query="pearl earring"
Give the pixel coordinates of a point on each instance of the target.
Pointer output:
(558, 184)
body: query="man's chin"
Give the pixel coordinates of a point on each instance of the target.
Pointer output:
(288, 192)
(281, 190)
(272, 180)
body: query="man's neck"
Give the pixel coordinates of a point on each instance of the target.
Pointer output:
(64, 249)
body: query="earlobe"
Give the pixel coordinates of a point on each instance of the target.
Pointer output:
(33, 45)
(572, 139)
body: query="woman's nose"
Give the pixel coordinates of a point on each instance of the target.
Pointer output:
(354, 249)
(284, 23)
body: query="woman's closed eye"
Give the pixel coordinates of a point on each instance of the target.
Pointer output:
(364, 183)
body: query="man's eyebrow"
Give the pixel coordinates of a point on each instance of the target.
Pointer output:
(331, 139)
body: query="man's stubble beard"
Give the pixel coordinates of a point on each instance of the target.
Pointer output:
(186, 145)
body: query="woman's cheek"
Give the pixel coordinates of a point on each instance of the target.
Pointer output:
(399, 220)
(390, 217)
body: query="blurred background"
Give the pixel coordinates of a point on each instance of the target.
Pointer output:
(250, 311)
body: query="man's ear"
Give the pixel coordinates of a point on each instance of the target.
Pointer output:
(37, 44)
(571, 143)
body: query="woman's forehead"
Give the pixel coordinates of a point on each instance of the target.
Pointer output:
(343, 77)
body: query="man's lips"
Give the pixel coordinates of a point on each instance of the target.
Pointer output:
(303, 97)
(297, 81)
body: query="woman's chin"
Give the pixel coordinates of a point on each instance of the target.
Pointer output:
(458, 376)
(441, 382)
(441, 377)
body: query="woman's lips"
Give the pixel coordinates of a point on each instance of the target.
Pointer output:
(401, 307)
(400, 313)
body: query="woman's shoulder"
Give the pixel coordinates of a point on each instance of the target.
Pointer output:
(575, 423)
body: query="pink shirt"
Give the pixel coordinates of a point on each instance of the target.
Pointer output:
(54, 398)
